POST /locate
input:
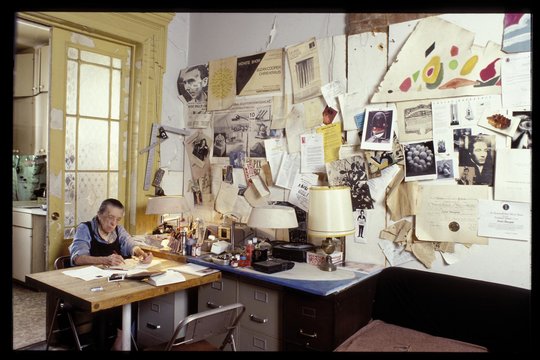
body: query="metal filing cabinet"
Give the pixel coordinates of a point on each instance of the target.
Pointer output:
(158, 317)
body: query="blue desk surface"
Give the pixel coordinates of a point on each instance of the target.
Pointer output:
(312, 285)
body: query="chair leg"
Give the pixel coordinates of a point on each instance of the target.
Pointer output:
(134, 342)
(74, 330)
(229, 339)
(52, 324)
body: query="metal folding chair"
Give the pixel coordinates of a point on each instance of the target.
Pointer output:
(200, 326)
(63, 308)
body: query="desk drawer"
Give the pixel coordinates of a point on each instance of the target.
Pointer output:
(262, 309)
(156, 318)
(22, 219)
(310, 322)
(250, 340)
(217, 293)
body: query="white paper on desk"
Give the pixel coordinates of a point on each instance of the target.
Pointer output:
(311, 153)
(86, 273)
(513, 175)
(132, 264)
(516, 79)
(504, 219)
(169, 277)
(449, 213)
(194, 269)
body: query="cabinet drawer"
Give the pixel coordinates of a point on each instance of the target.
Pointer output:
(217, 293)
(310, 322)
(250, 340)
(22, 219)
(262, 309)
(156, 318)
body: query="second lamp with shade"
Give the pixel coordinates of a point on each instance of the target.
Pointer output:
(329, 216)
(273, 217)
(166, 205)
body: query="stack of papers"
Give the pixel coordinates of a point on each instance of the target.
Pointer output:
(194, 269)
(169, 277)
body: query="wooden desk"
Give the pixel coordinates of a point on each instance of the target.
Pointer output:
(120, 293)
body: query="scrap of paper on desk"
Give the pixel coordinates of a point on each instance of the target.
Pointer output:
(87, 273)
(449, 213)
(131, 264)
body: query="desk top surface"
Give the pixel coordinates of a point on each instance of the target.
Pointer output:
(78, 292)
(302, 276)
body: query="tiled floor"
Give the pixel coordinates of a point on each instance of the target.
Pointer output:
(28, 316)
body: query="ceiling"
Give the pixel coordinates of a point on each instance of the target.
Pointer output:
(30, 35)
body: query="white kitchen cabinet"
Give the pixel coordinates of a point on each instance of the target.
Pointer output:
(32, 72)
(28, 237)
(30, 124)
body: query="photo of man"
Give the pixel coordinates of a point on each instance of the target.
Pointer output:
(193, 84)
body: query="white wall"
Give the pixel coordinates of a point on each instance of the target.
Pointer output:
(210, 36)
(218, 35)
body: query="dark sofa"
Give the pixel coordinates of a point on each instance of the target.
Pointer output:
(422, 309)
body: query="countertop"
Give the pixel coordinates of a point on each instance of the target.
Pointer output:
(30, 210)
(302, 276)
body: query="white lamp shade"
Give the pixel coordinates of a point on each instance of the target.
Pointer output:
(166, 205)
(330, 211)
(273, 217)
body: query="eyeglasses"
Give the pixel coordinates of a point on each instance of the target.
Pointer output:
(113, 218)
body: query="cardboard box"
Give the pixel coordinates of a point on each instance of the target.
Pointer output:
(320, 257)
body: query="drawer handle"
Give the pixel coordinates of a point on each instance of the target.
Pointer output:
(313, 336)
(152, 326)
(257, 319)
(211, 305)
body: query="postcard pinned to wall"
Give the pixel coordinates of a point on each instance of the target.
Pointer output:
(378, 128)
(439, 60)
(260, 73)
(414, 120)
(305, 74)
(504, 219)
(221, 83)
(449, 213)
(513, 183)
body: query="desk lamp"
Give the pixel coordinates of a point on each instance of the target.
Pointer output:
(166, 205)
(273, 217)
(329, 216)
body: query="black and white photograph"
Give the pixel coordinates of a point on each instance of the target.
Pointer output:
(193, 84)
(522, 138)
(419, 161)
(351, 172)
(243, 127)
(477, 152)
(378, 129)
(445, 169)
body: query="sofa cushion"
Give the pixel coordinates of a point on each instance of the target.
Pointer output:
(381, 336)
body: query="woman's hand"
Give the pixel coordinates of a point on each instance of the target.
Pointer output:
(113, 260)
